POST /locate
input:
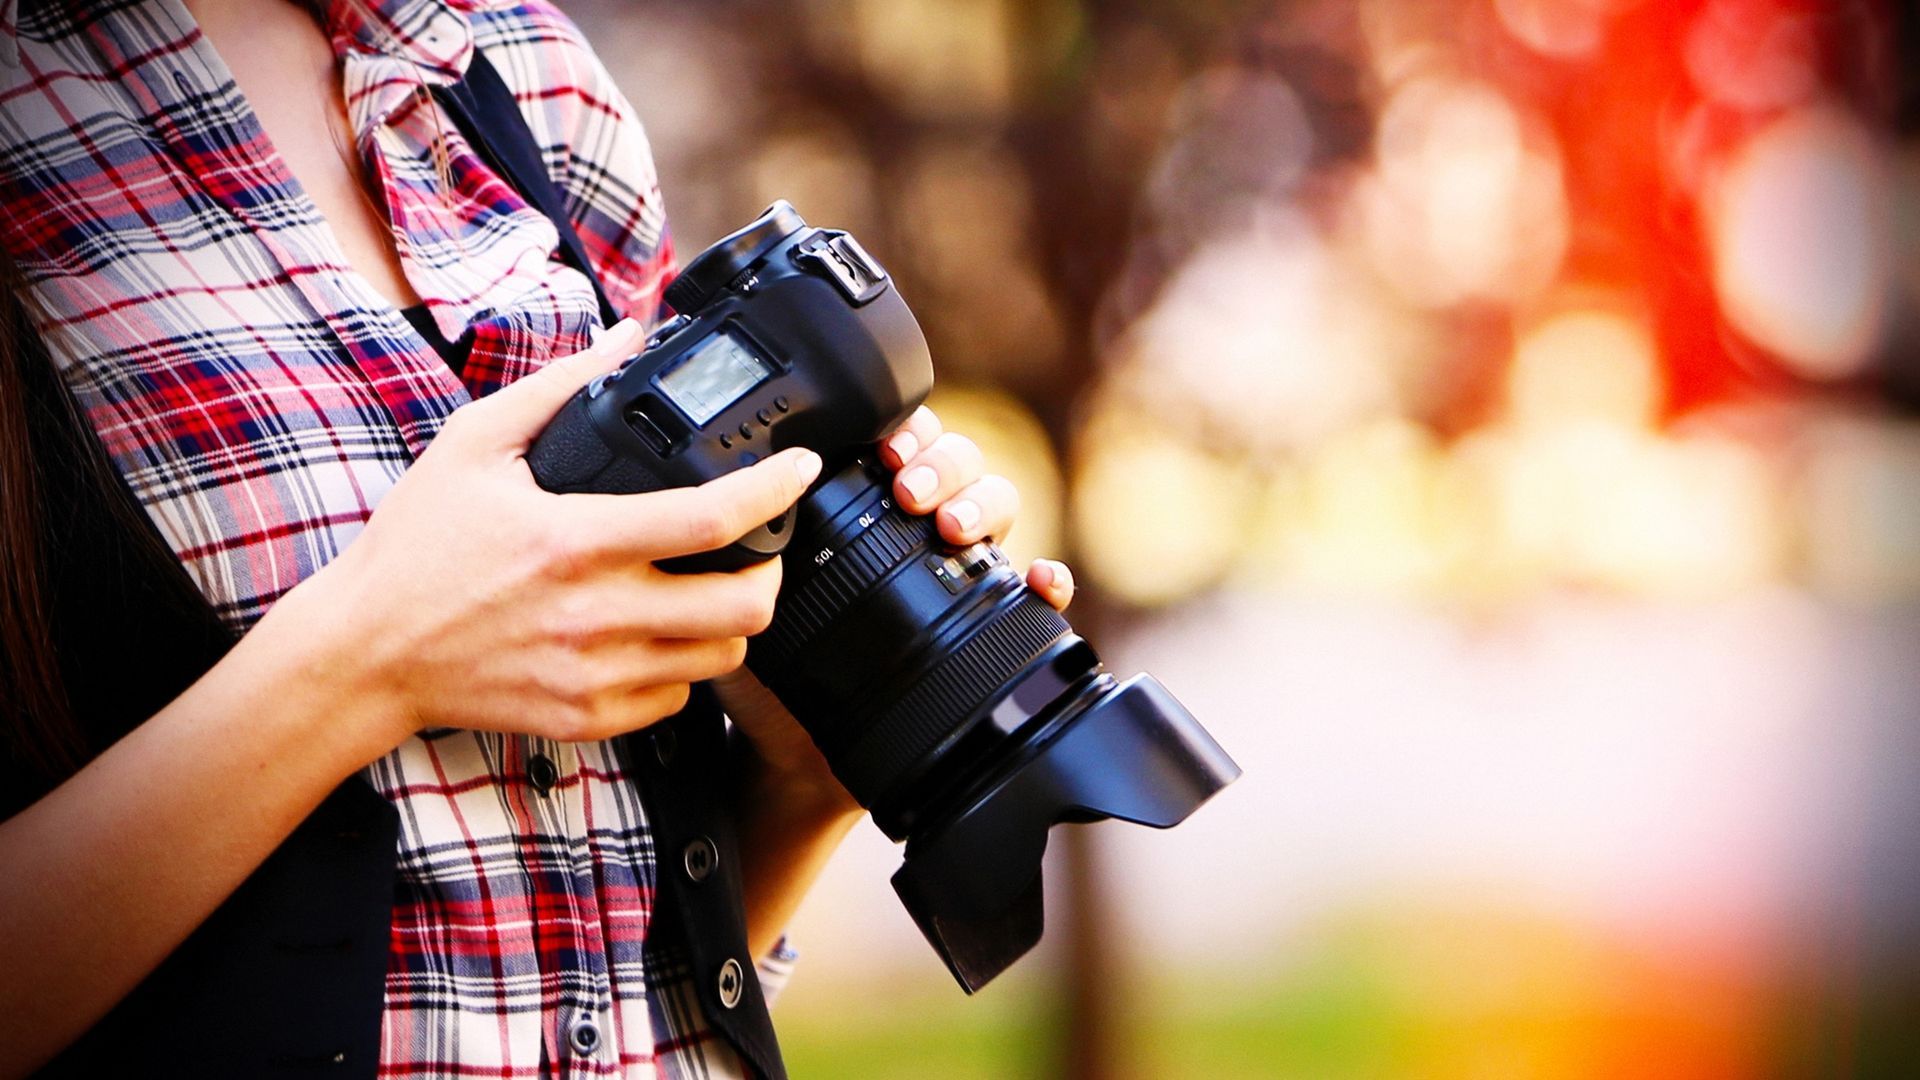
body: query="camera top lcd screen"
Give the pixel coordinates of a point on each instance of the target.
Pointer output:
(712, 377)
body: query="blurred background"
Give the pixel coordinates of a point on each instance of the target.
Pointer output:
(1499, 420)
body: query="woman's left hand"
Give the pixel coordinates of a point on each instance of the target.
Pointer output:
(935, 471)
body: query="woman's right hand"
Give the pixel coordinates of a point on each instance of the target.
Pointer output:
(476, 599)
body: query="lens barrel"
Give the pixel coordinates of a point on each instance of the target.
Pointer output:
(911, 662)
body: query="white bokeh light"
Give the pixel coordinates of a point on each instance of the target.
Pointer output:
(1800, 241)
(1463, 204)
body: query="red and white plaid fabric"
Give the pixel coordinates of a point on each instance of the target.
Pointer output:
(260, 398)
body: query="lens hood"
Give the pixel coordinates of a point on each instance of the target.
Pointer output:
(973, 883)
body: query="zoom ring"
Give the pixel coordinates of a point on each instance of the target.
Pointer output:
(799, 617)
(916, 723)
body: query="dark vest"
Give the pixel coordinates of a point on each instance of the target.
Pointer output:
(286, 978)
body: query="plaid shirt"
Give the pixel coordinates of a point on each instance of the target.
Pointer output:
(260, 398)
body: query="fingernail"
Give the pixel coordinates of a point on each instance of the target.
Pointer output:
(920, 482)
(904, 445)
(807, 466)
(964, 513)
(1062, 575)
(624, 326)
(1047, 571)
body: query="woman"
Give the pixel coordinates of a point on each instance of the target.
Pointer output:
(284, 290)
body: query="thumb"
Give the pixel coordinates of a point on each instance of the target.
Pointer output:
(515, 414)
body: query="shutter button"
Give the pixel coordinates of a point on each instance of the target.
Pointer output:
(733, 983)
(665, 742)
(700, 858)
(542, 773)
(583, 1035)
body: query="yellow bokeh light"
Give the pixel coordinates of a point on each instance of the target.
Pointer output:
(1606, 506)
(1361, 513)
(1584, 365)
(1154, 518)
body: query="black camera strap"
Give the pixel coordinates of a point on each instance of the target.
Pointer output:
(484, 110)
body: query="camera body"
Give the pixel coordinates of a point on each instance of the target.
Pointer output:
(950, 699)
(808, 345)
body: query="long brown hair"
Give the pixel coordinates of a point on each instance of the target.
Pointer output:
(100, 623)
(36, 714)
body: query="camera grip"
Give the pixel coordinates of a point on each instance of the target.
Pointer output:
(571, 455)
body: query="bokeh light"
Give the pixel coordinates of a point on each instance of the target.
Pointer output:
(1462, 207)
(1800, 253)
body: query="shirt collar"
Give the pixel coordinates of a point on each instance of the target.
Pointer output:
(435, 36)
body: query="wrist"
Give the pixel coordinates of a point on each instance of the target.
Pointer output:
(328, 670)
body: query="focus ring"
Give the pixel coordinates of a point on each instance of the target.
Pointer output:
(925, 715)
(798, 618)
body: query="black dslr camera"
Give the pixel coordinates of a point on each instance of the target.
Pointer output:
(951, 700)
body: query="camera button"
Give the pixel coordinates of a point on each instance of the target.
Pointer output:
(726, 441)
(700, 858)
(746, 431)
(732, 984)
(764, 417)
(782, 403)
(666, 742)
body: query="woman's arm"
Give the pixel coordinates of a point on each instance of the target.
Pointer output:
(792, 813)
(472, 599)
(115, 867)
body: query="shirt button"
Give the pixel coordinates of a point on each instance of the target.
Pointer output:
(583, 1035)
(700, 858)
(666, 742)
(733, 983)
(542, 773)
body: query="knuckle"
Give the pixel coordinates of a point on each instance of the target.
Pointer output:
(925, 422)
(961, 449)
(571, 722)
(659, 702)
(569, 680)
(563, 552)
(999, 491)
(709, 525)
(574, 621)
(753, 610)
(730, 655)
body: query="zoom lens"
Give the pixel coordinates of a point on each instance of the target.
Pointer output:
(916, 666)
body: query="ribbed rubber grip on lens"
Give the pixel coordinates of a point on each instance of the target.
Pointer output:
(904, 733)
(807, 610)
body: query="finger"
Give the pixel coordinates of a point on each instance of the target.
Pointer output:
(658, 662)
(932, 476)
(921, 429)
(1053, 581)
(682, 521)
(736, 604)
(648, 603)
(514, 415)
(617, 714)
(983, 508)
